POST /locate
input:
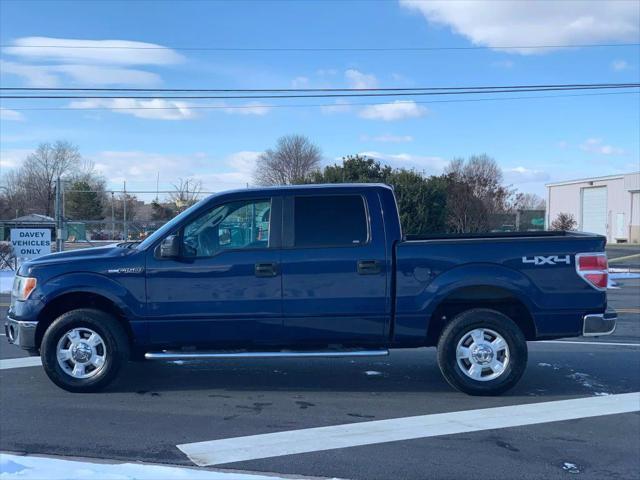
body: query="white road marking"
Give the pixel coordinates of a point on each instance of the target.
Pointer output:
(617, 344)
(238, 449)
(7, 363)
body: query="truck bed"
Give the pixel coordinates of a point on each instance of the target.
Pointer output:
(496, 235)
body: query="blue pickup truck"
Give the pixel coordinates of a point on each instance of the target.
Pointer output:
(308, 271)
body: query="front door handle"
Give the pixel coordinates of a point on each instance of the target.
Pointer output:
(368, 267)
(266, 269)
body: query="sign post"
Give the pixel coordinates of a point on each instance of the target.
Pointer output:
(31, 242)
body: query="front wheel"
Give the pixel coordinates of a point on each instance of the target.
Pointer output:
(482, 352)
(83, 350)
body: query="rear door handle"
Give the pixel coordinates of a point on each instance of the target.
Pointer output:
(368, 267)
(266, 269)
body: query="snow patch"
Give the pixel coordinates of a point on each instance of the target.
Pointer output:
(570, 467)
(372, 373)
(32, 468)
(587, 381)
(6, 280)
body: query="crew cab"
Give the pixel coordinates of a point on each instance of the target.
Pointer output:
(308, 271)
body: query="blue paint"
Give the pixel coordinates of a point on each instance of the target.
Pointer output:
(252, 294)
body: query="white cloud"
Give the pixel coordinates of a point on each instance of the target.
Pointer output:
(387, 138)
(156, 109)
(96, 63)
(140, 168)
(495, 24)
(163, 109)
(525, 175)
(13, 158)
(98, 75)
(52, 75)
(244, 161)
(357, 79)
(34, 75)
(396, 110)
(112, 52)
(619, 65)
(11, 115)
(422, 163)
(596, 145)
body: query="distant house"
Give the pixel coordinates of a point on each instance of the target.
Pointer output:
(609, 206)
(33, 220)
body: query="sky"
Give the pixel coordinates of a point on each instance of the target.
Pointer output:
(534, 140)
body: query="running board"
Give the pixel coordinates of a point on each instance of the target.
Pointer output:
(204, 355)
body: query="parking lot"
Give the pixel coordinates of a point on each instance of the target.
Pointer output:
(155, 407)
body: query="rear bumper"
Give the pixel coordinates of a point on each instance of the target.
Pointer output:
(599, 324)
(21, 333)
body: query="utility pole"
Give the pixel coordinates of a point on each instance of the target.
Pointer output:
(58, 220)
(113, 217)
(124, 211)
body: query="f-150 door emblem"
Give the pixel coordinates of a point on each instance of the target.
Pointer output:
(550, 260)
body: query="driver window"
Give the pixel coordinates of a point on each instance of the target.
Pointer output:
(242, 224)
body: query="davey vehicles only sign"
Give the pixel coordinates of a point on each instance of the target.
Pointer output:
(31, 242)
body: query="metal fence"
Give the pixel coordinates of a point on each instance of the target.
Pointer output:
(130, 215)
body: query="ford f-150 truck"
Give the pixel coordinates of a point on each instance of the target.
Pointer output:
(308, 271)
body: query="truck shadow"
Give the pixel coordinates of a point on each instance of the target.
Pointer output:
(408, 372)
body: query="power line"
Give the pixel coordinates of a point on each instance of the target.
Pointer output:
(319, 95)
(323, 49)
(239, 107)
(299, 90)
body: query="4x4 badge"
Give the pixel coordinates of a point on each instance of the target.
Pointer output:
(550, 260)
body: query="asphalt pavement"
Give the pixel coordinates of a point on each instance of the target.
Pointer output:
(154, 407)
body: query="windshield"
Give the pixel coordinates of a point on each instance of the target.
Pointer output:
(169, 226)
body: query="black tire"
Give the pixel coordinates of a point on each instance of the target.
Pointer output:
(115, 347)
(464, 323)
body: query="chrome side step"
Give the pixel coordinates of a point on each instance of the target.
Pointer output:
(204, 355)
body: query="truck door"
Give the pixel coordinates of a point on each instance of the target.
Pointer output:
(334, 269)
(225, 288)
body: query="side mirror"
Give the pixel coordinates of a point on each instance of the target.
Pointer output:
(170, 247)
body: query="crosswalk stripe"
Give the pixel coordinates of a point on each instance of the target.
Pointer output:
(7, 363)
(238, 449)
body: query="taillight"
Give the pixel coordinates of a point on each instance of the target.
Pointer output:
(593, 267)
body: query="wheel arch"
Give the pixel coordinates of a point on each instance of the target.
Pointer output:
(493, 297)
(75, 300)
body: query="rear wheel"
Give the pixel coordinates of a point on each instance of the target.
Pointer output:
(482, 352)
(83, 350)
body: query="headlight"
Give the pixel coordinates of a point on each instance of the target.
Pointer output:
(22, 287)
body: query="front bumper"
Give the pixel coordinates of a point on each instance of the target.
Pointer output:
(598, 324)
(21, 333)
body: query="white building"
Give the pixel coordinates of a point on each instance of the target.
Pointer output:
(608, 205)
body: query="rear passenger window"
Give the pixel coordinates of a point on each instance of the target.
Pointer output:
(330, 221)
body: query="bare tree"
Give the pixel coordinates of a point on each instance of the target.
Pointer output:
(529, 201)
(465, 212)
(476, 194)
(187, 192)
(13, 196)
(36, 177)
(564, 222)
(291, 162)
